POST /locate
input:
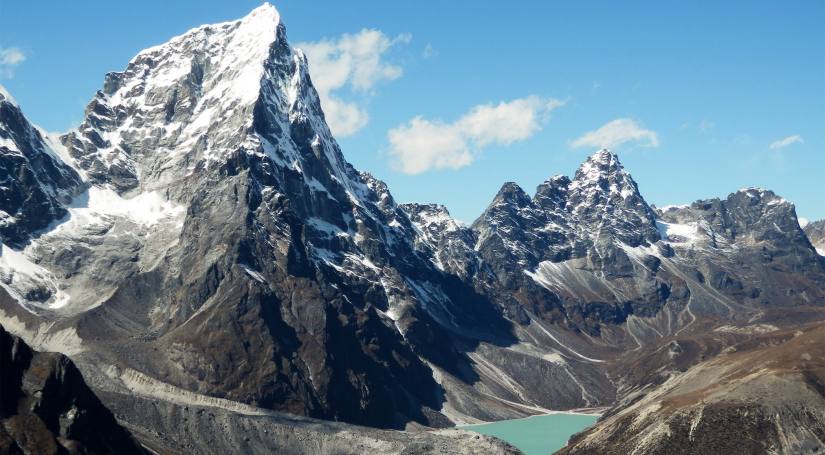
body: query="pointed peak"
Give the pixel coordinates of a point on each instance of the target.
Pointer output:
(604, 156)
(510, 193)
(226, 60)
(597, 165)
(261, 22)
(510, 188)
(265, 8)
(264, 14)
(6, 96)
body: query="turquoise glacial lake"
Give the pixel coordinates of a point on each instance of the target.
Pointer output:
(537, 435)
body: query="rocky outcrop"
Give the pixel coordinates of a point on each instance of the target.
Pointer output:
(36, 182)
(816, 233)
(765, 395)
(46, 407)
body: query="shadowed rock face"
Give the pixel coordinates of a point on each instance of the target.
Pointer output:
(37, 183)
(46, 407)
(816, 233)
(764, 395)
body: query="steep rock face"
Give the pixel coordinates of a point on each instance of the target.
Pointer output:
(767, 260)
(46, 407)
(450, 241)
(764, 395)
(816, 234)
(37, 184)
(566, 218)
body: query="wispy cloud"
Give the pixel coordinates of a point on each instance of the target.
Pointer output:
(351, 61)
(10, 57)
(429, 51)
(786, 141)
(422, 145)
(617, 132)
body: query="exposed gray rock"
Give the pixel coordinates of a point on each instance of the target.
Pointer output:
(36, 182)
(46, 407)
(816, 234)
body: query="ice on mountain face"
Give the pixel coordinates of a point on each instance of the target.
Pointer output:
(236, 50)
(98, 204)
(28, 282)
(58, 150)
(600, 205)
(676, 232)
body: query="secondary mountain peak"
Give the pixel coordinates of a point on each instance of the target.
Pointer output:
(603, 169)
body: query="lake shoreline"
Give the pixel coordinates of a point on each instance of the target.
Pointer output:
(539, 434)
(578, 411)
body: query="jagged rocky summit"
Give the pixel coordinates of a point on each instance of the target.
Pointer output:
(200, 242)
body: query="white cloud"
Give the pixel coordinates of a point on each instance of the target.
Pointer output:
(803, 222)
(617, 132)
(351, 61)
(10, 57)
(786, 141)
(422, 145)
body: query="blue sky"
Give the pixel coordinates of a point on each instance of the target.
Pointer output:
(697, 91)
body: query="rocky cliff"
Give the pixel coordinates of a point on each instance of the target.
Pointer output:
(47, 408)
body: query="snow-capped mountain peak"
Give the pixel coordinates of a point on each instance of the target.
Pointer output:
(603, 171)
(235, 50)
(183, 104)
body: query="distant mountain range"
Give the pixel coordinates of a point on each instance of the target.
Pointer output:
(204, 253)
